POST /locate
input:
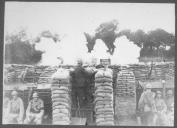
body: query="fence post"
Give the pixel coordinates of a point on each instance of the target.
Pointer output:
(163, 84)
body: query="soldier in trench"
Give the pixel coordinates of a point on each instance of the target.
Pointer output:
(80, 84)
(35, 110)
(15, 109)
(169, 99)
(147, 106)
(161, 108)
(170, 107)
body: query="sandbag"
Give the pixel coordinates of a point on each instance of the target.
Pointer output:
(61, 98)
(103, 97)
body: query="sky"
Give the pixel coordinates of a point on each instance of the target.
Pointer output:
(72, 19)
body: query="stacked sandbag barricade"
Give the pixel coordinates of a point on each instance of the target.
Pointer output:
(125, 83)
(38, 71)
(61, 98)
(159, 70)
(125, 99)
(104, 102)
(14, 71)
(10, 77)
(171, 71)
(140, 71)
(45, 77)
(115, 69)
(30, 76)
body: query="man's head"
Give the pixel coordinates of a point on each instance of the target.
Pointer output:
(153, 94)
(35, 96)
(26, 69)
(79, 62)
(158, 94)
(14, 94)
(169, 93)
(172, 107)
(148, 87)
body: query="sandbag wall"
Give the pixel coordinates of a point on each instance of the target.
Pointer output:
(13, 72)
(104, 102)
(171, 71)
(140, 71)
(61, 98)
(10, 77)
(45, 76)
(159, 71)
(125, 99)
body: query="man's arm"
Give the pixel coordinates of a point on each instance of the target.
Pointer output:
(72, 76)
(141, 101)
(41, 109)
(8, 108)
(164, 106)
(21, 109)
(28, 109)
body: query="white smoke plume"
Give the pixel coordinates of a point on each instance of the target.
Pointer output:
(73, 47)
(126, 52)
(100, 51)
(50, 49)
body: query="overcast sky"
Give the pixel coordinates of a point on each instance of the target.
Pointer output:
(78, 17)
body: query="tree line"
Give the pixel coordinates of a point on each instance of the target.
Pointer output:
(19, 48)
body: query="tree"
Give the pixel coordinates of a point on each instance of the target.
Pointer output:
(18, 50)
(151, 42)
(139, 37)
(160, 37)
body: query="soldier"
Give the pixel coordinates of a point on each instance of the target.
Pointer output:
(35, 110)
(79, 79)
(6, 101)
(170, 115)
(23, 75)
(15, 109)
(169, 99)
(161, 108)
(147, 106)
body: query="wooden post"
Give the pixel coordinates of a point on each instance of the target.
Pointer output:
(163, 85)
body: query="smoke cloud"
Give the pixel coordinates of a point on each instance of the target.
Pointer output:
(126, 52)
(74, 47)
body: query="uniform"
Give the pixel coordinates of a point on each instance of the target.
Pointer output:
(33, 113)
(79, 87)
(169, 101)
(161, 112)
(147, 107)
(15, 111)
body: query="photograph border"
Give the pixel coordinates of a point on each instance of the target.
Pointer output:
(2, 11)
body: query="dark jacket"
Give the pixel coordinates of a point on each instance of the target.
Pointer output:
(79, 77)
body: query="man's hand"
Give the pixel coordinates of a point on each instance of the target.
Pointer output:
(13, 115)
(38, 115)
(30, 115)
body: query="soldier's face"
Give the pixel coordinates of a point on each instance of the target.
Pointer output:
(14, 97)
(172, 107)
(159, 95)
(169, 95)
(35, 98)
(79, 64)
(148, 89)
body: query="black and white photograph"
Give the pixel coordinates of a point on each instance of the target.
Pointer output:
(88, 63)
